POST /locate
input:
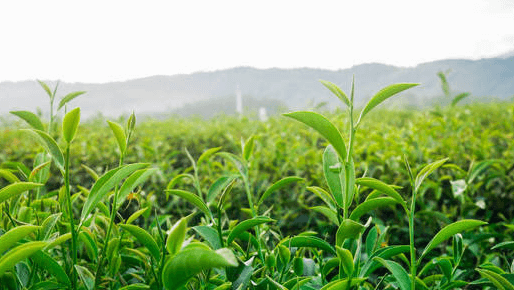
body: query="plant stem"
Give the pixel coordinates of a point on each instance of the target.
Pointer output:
(411, 238)
(70, 213)
(108, 234)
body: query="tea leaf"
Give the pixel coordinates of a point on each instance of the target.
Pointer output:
(382, 187)
(70, 124)
(15, 189)
(327, 212)
(210, 235)
(248, 148)
(323, 195)
(449, 231)
(207, 154)
(370, 205)
(68, 98)
(192, 198)
(246, 225)
(191, 261)
(311, 242)
(275, 283)
(87, 278)
(498, 280)
(15, 235)
(324, 127)
(29, 117)
(383, 95)
(48, 224)
(136, 286)
(459, 97)
(278, 185)
(218, 186)
(132, 181)
(384, 253)
(427, 170)
(345, 260)
(137, 214)
(50, 146)
(9, 176)
(398, 272)
(19, 253)
(336, 91)
(176, 236)
(348, 229)
(333, 177)
(145, 239)
(105, 183)
(121, 139)
(48, 263)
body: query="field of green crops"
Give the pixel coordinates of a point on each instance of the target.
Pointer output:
(356, 198)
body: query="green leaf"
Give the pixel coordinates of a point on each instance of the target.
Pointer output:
(323, 195)
(105, 183)
(191, 261)
(68, 98)
(498, 280)
(136, 286)
(505, 245)
(333, 177)
(18, 254)
(348, 229)
(137, 214)
(50, 146)
(384, 253)
(324, 127)
(48, 225)
(207, 154)
(145, 239)
(327, 212)
(31, 118)
(218, 186)
(383, 95)
(118, 132)
(349, 183)
(15, 235)
(382, 187)
(15, 189)
(210, 235)
(89, 242)
(444, 84)
(275, 284)
(36, 175)
(310, 242)
(345, 260)
(70, 124)
(336, 91)
(87, 278)
(9, 176)
(176, 236)
(278, 185)
(398, 272)
(449, 231)
(48, 263)
(246, 225)
(248, 148)
(238, 163)
(192, 198)
(370, 205)
(459, 97)
(132, 181)
(46, 88)
(176, 179)
(427, 170)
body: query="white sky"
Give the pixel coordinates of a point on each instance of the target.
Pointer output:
(101, 41)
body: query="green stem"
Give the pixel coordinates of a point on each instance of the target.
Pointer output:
(108, 234)
(220, 234)
(413, 265)
(70, 213)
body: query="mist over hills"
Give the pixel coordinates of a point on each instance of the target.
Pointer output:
(486, 79)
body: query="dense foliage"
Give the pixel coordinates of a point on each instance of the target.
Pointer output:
(235, 203)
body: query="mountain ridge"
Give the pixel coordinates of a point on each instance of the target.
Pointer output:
(296, 88)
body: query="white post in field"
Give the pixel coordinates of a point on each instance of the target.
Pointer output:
(262, 114)
(239, 101)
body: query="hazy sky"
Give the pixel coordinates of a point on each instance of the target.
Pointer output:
(101, 41)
